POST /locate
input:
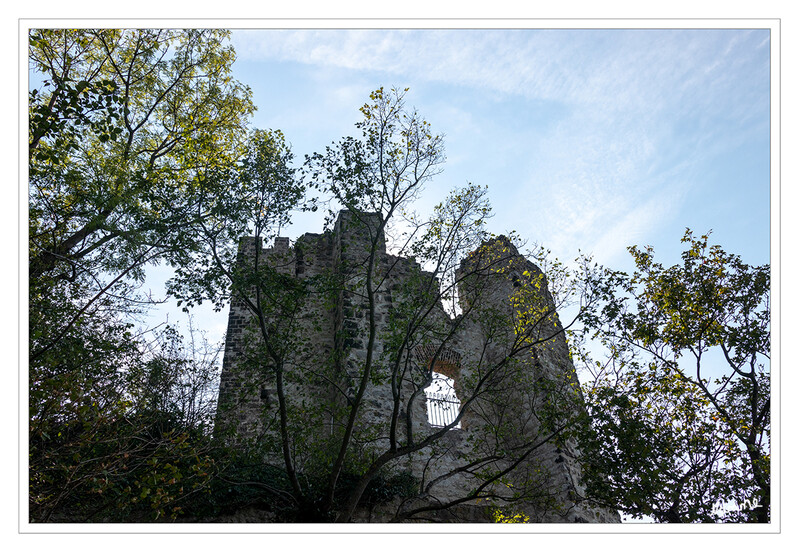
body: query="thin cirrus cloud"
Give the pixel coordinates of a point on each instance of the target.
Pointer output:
(604, 68)
(638, 111)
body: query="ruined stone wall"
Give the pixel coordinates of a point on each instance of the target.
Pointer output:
(331, 339)
(247, 394)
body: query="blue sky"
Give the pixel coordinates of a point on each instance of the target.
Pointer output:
(588, 140)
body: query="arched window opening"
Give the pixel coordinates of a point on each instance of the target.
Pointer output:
(443, 404)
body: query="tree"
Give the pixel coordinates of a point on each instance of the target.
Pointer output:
(119, 424)
(680, 410)
(267, 193)
(133, 135)
(327, 449)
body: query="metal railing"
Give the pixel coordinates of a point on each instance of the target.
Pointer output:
(442, 402)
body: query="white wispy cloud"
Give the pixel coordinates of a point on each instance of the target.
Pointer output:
(637, 108)
(571, 65)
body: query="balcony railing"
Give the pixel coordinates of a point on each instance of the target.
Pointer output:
(443, 404)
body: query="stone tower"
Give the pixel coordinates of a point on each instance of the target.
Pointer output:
(477, 401)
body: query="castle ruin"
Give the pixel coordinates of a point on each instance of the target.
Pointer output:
(465, 413)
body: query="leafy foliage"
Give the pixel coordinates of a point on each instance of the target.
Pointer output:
(384, 169)
(131, 134)
(132, 137)
(262, 193)
(118, 426)
(680, 411)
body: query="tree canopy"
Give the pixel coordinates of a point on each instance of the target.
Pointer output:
(681, 406)
(133, 135)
